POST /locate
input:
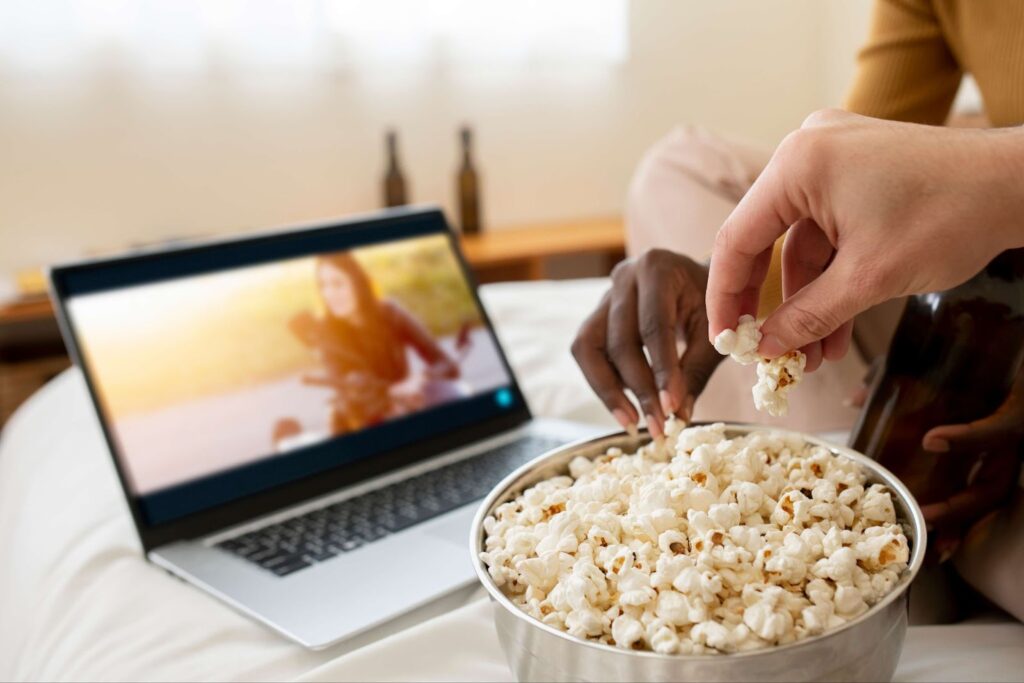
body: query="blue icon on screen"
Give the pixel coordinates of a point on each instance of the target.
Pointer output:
(504, 398)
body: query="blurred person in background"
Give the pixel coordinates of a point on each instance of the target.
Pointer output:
(688, 183)
(362, 343)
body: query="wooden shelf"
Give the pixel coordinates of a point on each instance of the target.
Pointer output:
(501, 246)
(31, 350)
(29, 308)
(520, 253)
(20, 380)
(28, 330)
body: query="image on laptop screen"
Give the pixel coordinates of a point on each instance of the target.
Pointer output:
(219, 371)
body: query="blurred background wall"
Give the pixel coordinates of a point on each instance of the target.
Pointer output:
(100, 148)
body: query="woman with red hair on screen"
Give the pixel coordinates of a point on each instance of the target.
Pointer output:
(362, 342)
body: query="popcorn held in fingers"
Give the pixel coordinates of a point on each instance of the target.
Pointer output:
(740, 344)
(774, 377)
(774, 380)
(699, 544)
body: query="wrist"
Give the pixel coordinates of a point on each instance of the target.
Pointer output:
(1005, 166)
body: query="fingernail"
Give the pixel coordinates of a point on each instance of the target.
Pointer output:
(687, 409)
(622, 418)
(935, 444)
(771, 346)
(653, 427)
(668, 404)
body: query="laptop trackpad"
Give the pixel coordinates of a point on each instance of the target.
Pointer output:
(453, 527)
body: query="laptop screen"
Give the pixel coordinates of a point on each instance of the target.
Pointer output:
(248, 371)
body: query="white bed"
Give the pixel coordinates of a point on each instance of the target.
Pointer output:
(77, 602)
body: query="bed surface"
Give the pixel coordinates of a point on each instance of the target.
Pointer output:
(78, 602)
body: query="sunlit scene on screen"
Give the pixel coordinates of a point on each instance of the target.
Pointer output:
(220, 370)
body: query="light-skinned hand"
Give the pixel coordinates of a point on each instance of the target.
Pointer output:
(874, 210)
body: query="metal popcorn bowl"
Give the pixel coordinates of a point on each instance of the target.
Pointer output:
(864, 649)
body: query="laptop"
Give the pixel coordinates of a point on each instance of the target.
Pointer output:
(303, 421)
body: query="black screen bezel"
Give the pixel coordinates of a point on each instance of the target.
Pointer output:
(202, 523)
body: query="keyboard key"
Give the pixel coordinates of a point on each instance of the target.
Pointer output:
(292, 566)
(320, 555)
(351, 544)
(262, 554)
(276, 560)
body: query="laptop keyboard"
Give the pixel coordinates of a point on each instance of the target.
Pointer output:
(319, 535)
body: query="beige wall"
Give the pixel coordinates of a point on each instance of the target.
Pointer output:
(844, 26)
(98, 162)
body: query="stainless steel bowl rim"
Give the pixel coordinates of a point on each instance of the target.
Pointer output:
(476, 536)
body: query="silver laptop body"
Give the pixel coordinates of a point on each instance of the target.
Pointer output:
(358, 508)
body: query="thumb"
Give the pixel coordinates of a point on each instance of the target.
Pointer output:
(814, 312)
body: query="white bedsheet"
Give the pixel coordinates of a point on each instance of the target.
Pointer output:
(463, 646)
(77, 602)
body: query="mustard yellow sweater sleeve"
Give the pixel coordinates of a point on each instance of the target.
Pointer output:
(907, 70)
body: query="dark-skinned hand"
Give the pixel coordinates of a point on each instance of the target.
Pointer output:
(655, 302)
(999, 440)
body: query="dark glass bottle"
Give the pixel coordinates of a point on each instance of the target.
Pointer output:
(394, 181)
(469, 188)
(952, 360)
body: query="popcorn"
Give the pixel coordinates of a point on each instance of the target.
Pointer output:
(849, 601)
(580, 466)
(741, 344)
(635, 588)
(749, 497)
(702, 544)
(877, 505)
(774, 380)
(664, 640)
(714, 635)
(775, 377)
(586, 622)
(819, 618)
(879, 551)
(678, 609)
(627, 631)
(767, 621)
